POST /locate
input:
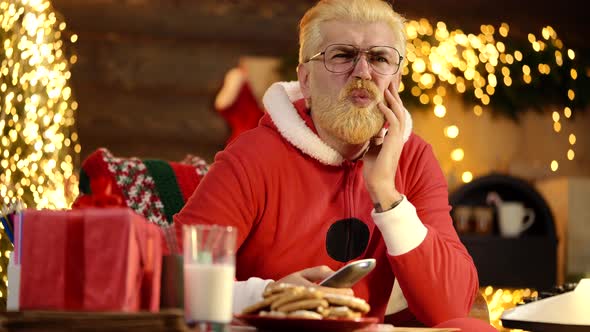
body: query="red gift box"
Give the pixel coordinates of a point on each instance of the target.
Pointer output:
(93, 259)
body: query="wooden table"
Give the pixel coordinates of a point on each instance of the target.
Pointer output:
(165, 321)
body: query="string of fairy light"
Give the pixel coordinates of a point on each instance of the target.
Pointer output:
(37, 107)
(440, 60)
(500, 300)
(39, 145)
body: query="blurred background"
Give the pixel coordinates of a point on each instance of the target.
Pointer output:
(148, 72)
(499, 88)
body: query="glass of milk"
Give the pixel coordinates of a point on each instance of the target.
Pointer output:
(209, 273)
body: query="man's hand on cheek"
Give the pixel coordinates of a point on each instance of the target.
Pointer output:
(396, 81)
(381, 163)
(377, 140)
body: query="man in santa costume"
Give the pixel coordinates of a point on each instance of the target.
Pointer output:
(333, 173)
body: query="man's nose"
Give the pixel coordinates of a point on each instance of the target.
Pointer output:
(362, 68)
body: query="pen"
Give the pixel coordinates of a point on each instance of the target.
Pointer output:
(6, 222)
(7, 228)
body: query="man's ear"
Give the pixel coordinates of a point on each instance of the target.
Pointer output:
(303, 75)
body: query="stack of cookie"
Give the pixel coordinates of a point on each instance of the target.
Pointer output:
(287, 300)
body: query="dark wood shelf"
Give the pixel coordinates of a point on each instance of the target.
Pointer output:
(529, 261)
(524, 262)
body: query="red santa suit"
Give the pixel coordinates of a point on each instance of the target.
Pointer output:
(297, 203)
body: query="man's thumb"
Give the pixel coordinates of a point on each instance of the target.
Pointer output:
(317, 273)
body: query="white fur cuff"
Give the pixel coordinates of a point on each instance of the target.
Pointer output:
(401, 228)
(248, 292)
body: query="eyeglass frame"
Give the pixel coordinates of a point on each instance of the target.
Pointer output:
(356, 60)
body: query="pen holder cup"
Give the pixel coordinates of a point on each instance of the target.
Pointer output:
(12, 302)
(172, 291)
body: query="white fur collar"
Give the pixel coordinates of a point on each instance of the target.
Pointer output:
(278, 102)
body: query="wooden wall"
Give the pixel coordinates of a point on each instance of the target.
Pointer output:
(148, 70)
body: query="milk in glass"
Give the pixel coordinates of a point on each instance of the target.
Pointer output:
(209, 289)
(209, 273)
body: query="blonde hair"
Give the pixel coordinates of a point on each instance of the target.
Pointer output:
(363, 11)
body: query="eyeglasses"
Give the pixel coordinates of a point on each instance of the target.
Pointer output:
(341, 58)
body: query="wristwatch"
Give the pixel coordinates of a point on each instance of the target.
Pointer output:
(379, 209)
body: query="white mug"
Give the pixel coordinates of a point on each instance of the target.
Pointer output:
(514, 218)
